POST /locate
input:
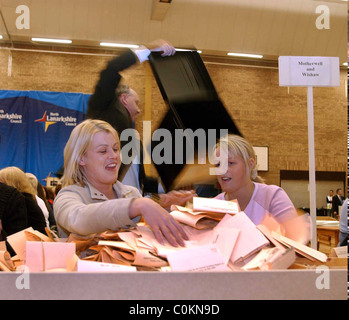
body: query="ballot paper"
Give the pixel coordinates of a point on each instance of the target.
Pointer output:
(205, 212)
(129, 237)
(3, 246)
(198, 259)
(225, 240)
(136, 256)
(46, 256)
(6, 264)
(190, 210)
(198, 221)
(273, 258)
(94, 266)
(267, 234)
(18, 242)
(300, 248)
(215, 205)
(222, 238)
(116, 244)
(250, 239)
(236, 237)
(340, 252)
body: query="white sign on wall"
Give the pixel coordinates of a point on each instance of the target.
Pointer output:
(309, 71)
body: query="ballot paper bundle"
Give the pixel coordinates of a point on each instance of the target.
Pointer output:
(6, 263)
(233, 243)
(204, 213)
(38, 252)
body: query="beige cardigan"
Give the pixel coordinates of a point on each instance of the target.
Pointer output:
(85, 210)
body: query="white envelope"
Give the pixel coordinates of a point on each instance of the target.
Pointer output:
(198, 259)
(94, 266)
(46, 256)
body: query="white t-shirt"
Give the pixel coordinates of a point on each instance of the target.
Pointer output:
(44, 210)
(265, 200)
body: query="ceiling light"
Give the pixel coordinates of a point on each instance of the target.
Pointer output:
(51, 40)
(119, 45)
(245, 55)
(0, 36)
(345, 64)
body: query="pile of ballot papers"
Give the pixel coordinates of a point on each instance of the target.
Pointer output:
(221, 238)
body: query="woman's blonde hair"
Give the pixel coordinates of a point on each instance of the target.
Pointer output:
(238, 146)
(33, 180)
(16, 178)
(79, 141)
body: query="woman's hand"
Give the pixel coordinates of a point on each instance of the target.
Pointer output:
(180, 198)
(159, 220)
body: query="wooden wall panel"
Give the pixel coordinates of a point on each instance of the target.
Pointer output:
(267, 115)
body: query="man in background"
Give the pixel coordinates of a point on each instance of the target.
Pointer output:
(119, 106)
(337, 201)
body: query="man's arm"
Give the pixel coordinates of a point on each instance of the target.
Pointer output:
(110, 77)
(105, 90)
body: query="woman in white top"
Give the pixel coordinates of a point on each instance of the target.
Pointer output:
(92, 200)
(34, 182)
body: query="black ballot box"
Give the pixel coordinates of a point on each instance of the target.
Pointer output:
(196, 118)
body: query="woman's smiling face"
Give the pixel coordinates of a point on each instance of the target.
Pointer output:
(236, 176)
(102, 161)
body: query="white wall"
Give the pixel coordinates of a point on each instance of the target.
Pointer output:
(298, 191)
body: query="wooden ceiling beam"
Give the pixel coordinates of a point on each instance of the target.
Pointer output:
(159, 9)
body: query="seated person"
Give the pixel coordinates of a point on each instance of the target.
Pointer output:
(92, 200)
(35, 183)
(237, 175)
(13, 213)
(16, 178)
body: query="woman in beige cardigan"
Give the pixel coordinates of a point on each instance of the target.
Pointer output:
(93, 201)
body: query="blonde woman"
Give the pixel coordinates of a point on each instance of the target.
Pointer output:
(15, 177)
(92, 200)
(259, 201)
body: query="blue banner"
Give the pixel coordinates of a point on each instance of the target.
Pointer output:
(35, 126)
(13, 129)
